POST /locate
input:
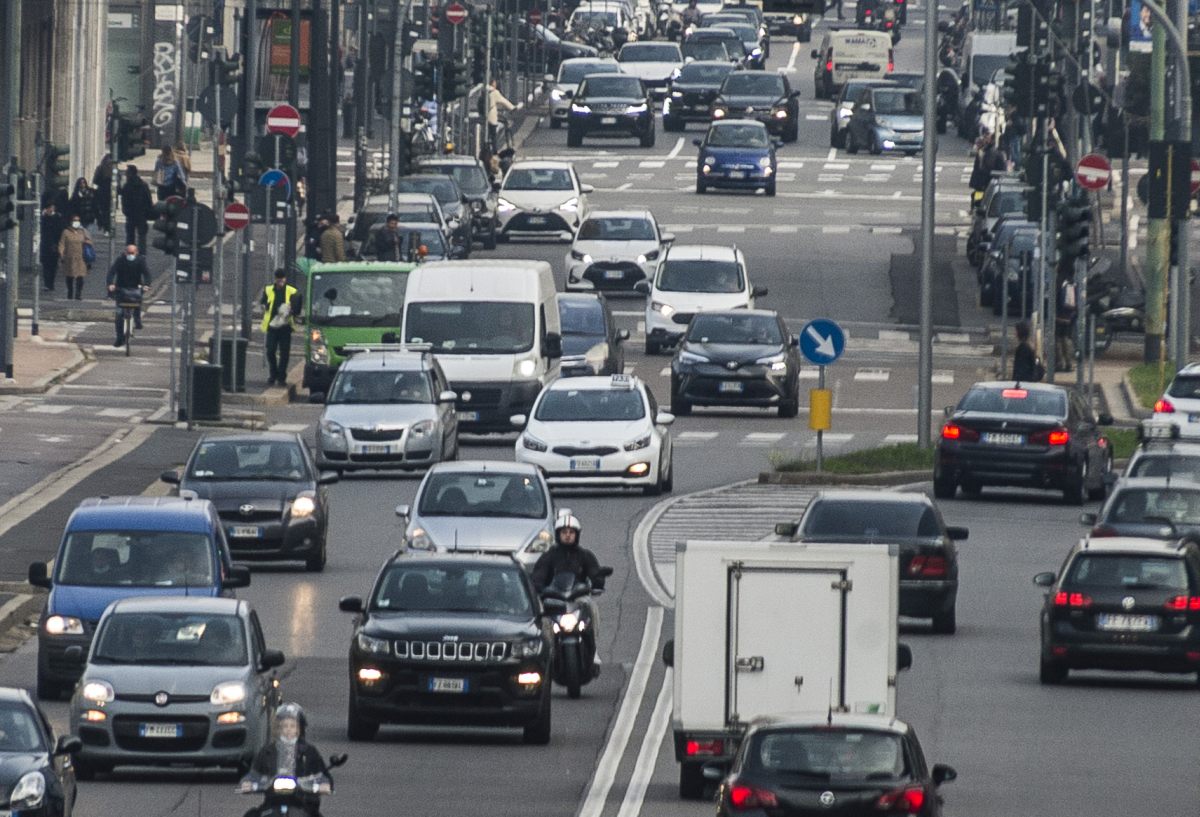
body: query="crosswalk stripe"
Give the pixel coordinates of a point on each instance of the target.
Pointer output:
(117, 412)
(651, 163)
(731, 228)
(665, 372)
(762, 438)
(873, 375)
(830, 438)
(790, 165)
(809, 374)
(897, 439)
(943, 376)
(837, 166)
(605, 164)
(697, 436)
(48, 409)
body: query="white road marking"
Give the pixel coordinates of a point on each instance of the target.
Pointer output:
(762, 438)
(625, 186)
(44, 409)
(872, 375)
(784, 228)
(605, 164)
(791, 66)
(943, 376)
(651, 163)
(690, 164)
(876, 177)
(830, 438)
(665, 371)
(897, 439)
(643, 767)
(894, 334)
(830, 229)
(887, 230)
(790, 165)
(832, 154)
(695, 436)
(809, 374)
(117, 412)
(883, 165)
(953, 337)
(731, 228)
(811, 117)
(837, 166)
(289, 427)
(675, 150)
(826, 178)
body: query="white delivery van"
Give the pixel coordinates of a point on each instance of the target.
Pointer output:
(985, 53)
(851, 54)
(766, 628)
(494, 327)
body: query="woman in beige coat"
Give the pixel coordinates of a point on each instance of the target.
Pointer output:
(70, 250)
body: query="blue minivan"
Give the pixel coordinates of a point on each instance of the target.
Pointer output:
(117, 547)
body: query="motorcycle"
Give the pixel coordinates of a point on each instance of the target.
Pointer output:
(283, 795)
(574, 638)
(1117, 309)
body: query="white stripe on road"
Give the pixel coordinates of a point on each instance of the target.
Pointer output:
(791, 66)
(836, 166)
(790, 165)
(643, 768)
(815, 117)
(665, 371)
(649, 163)
(762, 438)
(897, 439)
(625, 186)
(605, 164)
(944, 377)
(731, 228)
(832, 154)
(873, 375)
(45, 409)
(628, 313)
(675, 150)
(835, 228)
(289, 427)
(830, 438)
(809, 374)
(695, 436)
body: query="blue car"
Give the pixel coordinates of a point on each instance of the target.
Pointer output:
(738, 154)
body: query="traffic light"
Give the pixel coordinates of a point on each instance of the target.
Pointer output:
(58, 166)
(454, 81)
(1047, 88)
(1074, 224)
(133, 132)
(227, 68)
(8, 206)
(425, 81)
(479, 53)
(167, 224)
(1018, 83)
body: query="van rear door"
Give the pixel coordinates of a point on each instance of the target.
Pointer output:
(861, 55)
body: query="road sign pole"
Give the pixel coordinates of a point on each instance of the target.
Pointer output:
(219, 258)
(820, 432)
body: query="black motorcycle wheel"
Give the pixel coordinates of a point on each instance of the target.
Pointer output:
(572, 676)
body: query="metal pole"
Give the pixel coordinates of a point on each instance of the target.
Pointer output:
(1081, 268)
(219, 252)
(294, 60)
(14, 293)
(114, 126)
(1003, 295)
(1040, 298)
(174, 321)
(485, 97)
(1181, 330)
(191, 330)
(401, 15)
(928, 169)
(1158, 230)
(37, 242)
(1125, 201)
(820, 433)
(1091, 353)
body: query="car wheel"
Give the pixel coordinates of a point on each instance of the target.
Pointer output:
(316, 562)
(851, 143)
(489, 243)
(574, 137)
(790, 408)
(668, 483)
(944, 488)
(691, 781)
(359, 728)
(1051, 672)
(555, 124)
(1101, 490)
(1075, 490)
(701, 187)
(945, 622)
(537, 733)
(48, 690)
(647, 139)
(770, 188)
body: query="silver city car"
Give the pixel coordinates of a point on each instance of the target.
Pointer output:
(174, 680)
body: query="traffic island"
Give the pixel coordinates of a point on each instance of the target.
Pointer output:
(887, 465)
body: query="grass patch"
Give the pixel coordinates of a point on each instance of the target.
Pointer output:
(901, 457)
(1124, 441)
(1148, 385)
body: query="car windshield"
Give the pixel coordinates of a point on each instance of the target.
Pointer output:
(984, 66)
(1127, 571)
(752, 83)
(1015, 401)
(136, 559)
(737, 136)
(489, 493)
(752, 330)
(443, 188)
(495, 591)
(1005, 202)
(1180, 506)
(826, 754)
(363, 221)
(248, 460)
(704, 50)
(618, 85)
(369, 386)
(1166, 465)
(896, 102)
(836, 520)
(746, 33)
(357, 298)
(203, 639)
(572, 73)
(1185, 386)
(700, 276)
(430, 237)
(19, 730)
(593, 18)
(471, 327)
(470, 178)
(581, 317)
(539, 178)
(417, 214)
(591, 406)
(617, 229)
(650, 52)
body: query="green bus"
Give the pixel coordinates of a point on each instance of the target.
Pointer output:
(350, 302)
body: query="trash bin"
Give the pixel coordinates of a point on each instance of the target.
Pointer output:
(227, 361)
(206, 392)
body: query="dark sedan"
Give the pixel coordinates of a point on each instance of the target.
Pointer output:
(708, 50)
(767, 98)
(738, 154)
(268, 492)
(1156, 507)
(728, 38)
(834, 765)
(472, 180)
(743, 357)
(37, 778)
(613, 104)
(540, 50)
(692, 92)
(591, 343)
(1033, 435)
(454, 204)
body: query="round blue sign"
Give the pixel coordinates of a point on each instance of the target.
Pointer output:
(822, 341)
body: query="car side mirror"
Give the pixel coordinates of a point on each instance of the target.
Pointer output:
(795, 93)
(457, 252)
(957, 533)
(327, 477)
(170, 477)
(1088, 518)
(664, 418)
(272, 659)
(787, 529)
(758, 292)
(338, 760)
(39, 575)
(518, 420)
(586, 188)
(667, 238)
(643, 287)
(794, 342)
(350, 604)
(668, 653)
(552, 345)
(238, 576)
(622, 335)
(447, 396)
(316, 398)
(1044, 579)
(777, 143)
(943, 774)
(903, 657)
(815, 55)
(712, 771)
(1104, 418)
(402, 511)
(697, 141)
(67, 745)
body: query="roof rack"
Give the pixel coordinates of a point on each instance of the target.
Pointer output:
(353, 348)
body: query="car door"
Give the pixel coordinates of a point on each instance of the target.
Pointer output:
(267, 694)
(64, 770)
(1088, 433)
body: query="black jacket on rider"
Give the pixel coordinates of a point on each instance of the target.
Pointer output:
(558, 559)
(308, 762)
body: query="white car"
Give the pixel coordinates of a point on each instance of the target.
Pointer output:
(570, 73)
(694, 278)
(652, 62)
(598, 432)
(1180, 405)
(614, 249)
(542, 199)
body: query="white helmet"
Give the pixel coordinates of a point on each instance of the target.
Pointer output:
(566, 519)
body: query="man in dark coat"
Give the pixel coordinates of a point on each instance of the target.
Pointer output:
(53, 224)
(389, 244)
(138, 207)
(128, 275)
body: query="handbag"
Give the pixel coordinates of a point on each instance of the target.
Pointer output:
(89, 254)
(281, 317)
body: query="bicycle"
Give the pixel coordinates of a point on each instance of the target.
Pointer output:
(129, 301)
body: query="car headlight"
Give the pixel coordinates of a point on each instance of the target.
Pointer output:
(556, 94)
(776, 363)
(100, 692)
(779, 113)
(421, 429)
(570, 205)
(636, 108)
(419, 540)
(677, 94)
(29, 792)
(524, 368)
(719, 113)
(639, 443)
(764, 161)
(527, 648)
(581, 256)
(320, 352)
(374, 646)
(540, 542)
(532, 443)
(330, 428)
(649, 256)
(63, 625)
(567, 622)
(666, 310)
(577, 108)
(303, 505)
(504, 205)
(691, 357)
(230, 692)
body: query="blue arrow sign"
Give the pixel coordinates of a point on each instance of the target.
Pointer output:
(822, 341)
(277, 178)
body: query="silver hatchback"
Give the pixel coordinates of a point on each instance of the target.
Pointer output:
(175, 680)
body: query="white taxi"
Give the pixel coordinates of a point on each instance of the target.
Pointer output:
(598, 432)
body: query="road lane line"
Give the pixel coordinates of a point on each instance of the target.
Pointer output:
(625, 186)
(897, 439)
(643, 769)
(651, 163)
(832, 155)
(665, 372)
(815, 117)
(631, 703)
(836, 166)
(605, 164)
(628, 313)
(675, 150)
(791, 66)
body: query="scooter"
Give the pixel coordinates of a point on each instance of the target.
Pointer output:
(574, 638)
(283, 795)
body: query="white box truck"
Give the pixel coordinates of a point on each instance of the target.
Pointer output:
(766, 629)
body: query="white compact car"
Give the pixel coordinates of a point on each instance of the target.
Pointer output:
(542, 199)
(690, 279)
(1180, 405)
(598, 432)
(614, 249)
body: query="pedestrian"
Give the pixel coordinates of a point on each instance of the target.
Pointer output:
(281, 302)
(53, 224)
(82, 204)
(389, 244)
(138, 207)
(333, 241)
(102, 182)
(988, 160)
(1026, 366)
(128, 275)
(183, 156)
(170, 179)
(74, 250)
(1064, 325)
(312, 237)
(496, 101)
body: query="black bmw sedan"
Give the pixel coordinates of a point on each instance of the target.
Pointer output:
(37, 778)
(268, 492)
(613, 104)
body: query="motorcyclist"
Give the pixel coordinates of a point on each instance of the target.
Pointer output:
(567, 556)
(691, 14)
(289, 755)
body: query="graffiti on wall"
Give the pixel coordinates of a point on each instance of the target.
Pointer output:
(165, 94)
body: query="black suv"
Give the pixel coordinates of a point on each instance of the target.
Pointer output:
(769, 98)
(450, 639)
(611, 103)
(473, 181)
(928, 556)
(1122, 603)
(691, 92)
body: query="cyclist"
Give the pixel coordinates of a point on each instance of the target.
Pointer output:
(127, 278)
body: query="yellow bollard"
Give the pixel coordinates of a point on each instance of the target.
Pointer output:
(820, 409)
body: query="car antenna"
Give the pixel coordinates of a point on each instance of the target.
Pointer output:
(829, 709)
(456, 540)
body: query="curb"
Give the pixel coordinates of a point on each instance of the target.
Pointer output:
(1131, 402)
(884, 478)
(46, 382)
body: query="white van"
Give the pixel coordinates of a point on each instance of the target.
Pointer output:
(851, 54)
(494, 328)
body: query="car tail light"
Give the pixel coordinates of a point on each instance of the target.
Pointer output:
(953, 431)
(928, 567)
(1163, 406)
(888, 25)
(1104, 530)
(1054, 436)
(1183, 603)
(905, 801)
(829, 65)
(891, 61)
(744, 798)
(1014, 394)
(1076, 600)
(700, 748)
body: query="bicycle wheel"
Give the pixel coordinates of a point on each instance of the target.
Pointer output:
(128, 330)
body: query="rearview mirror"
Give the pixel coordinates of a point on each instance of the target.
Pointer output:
(402, 511)
(518, 420)
(758, 292)
(447, 396)
(787, 529)
(622, 334)
(605, 572)
(552, 345)
(667, 238)
(272, 659)
(350, 604)
(586, 188)
(239, 576)
(170, 477)
(903, 657)
(957, 533)
(697, 141)
(67, 745)
(338, 760)
(1088, 518)
(1044, 579)
(668, 653)
(642, 287)
(327, 477)
(664, 418)
(39, 575)
(943, 774)
(815, 55)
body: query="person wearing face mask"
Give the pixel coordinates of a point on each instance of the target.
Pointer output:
(71, 253)
(289, 755)
(128, 273)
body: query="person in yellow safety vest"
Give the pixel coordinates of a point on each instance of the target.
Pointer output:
(281, 302)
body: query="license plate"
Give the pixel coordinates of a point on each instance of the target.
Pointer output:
(245, 531)
(613, 274)
(1000, 438)
(1194, 418)
(731, 387)
(537, 219)
(585, 464)
(608, 120)
(160, 730)
(455, 685)
(375, 449)
(1124, 622)
(468, 416)
(738, 174)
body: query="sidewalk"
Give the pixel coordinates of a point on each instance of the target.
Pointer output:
(43, 360)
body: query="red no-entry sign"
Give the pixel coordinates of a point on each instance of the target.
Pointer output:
(455, 14)
(1195, 176)
(237, 215)
(1093, 172)
(283, 119)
